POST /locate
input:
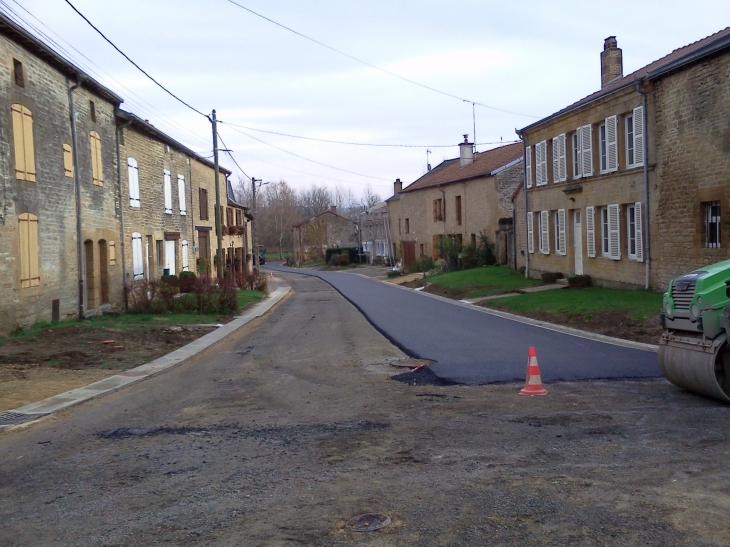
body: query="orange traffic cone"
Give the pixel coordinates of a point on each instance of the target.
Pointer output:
(533, 383)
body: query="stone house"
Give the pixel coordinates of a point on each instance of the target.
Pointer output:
(628, 184)
(59, 247)
(325, 230)
(166, 205)
(374, 228)
(459, 199)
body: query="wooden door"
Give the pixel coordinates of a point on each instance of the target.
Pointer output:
(409, 255)
(204, 254)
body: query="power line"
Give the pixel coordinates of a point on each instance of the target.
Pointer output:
(306, 159)
(225, 147)
(377, 67)
(135, 64)
(359, 143)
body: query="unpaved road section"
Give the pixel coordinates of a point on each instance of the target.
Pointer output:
(281, 434)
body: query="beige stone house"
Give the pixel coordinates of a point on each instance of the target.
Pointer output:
(628, 184)
(460, 199)
(312, 237)
(375, 240)
(59, 252)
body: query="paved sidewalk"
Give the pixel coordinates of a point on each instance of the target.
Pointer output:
(24, 415)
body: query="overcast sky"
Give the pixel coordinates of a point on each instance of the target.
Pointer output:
(526, 57)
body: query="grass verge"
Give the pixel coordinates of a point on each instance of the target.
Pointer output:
(484, 281)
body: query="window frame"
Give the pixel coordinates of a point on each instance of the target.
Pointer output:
(23, 141)
(457, 205)
(577, 165)
(203, 205)
(631, 229)
(182, 195)
(408, 225)
(133, 182)
(603, 147)
(167, 191)
(716, 220)
(605, 243)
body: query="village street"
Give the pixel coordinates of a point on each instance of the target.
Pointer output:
(285, 431)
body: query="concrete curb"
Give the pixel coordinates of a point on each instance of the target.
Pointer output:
(51, 405)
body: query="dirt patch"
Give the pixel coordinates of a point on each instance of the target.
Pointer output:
(63, 358)
(610, 323)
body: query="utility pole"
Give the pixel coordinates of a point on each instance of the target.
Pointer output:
(218, 219)
(254, 244)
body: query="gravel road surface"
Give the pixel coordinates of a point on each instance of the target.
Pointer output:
(473, 347)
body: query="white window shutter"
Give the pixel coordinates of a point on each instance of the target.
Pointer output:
(614, 233)
(168, 192)
(543, 166)
(586, 145)
(181, 195)
(591, 231)
(561, 158)
(137, 268)
(579, 158)
(639, 227)
(528, 166)
(556, 160)
(612, 144)
(561, 231)
(530, 233)
(639, 135)
(133, 176)
(545, 232)
(538, 164)
(184, 253)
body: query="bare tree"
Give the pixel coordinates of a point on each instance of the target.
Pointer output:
(315, 200)
(371, 198)
(280, 213)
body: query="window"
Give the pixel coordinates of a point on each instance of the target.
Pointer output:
(474, 240)
(635, 138)
(29, 270)
(112, 253)
(68, 161)
(583, 151)
(577, 170)
(96, 165)
(541, 177)
(607, 136)
(604, 231)
(23, 137)
(184, 253)
(239, 218)
(137, 268)
(603, 147)
(530, 233)
(423, 249)
(408, 226)
(560, 232)
(133, 176)
(181, 194)
(635, 243)
(528, 166)
(614, 232)
(438, 212)
(713, 224)
(18, 74)
(167, 189)
(92, 111)
(560, 173)
(229, 217)
(544, 222)
(203, 199)
(591, 231)
(458, 210)
(159, 252)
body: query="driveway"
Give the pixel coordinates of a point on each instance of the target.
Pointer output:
(473, 347)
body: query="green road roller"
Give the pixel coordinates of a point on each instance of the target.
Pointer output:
(693, 352)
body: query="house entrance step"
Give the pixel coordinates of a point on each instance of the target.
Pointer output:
(563, 281)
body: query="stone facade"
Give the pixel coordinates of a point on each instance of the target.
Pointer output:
(39, 274)
(326, 230)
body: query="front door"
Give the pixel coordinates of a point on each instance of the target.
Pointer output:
(578, 243)
(170, 259)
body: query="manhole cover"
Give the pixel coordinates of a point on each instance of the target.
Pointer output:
(368, 522)
(14, 418)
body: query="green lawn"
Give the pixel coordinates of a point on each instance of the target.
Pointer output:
(483, 281)
(247, 298)
(639, 304)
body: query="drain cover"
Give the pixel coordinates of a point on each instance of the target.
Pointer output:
(14, 418)
(368, 522)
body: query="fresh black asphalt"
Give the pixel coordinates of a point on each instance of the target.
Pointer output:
(473, 347)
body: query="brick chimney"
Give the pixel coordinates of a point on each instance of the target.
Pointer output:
(333, 209)
(466, 152)
(397, 186)
(612, 64)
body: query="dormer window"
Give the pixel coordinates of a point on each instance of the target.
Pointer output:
(18, 73)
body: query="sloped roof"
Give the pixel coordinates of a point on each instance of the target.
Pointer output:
(485, 163)
(676, 59)
(316, 216)
(231, 196)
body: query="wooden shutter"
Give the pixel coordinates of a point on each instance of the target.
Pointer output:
(639, 227)
(586, 146)
(23, 141)
(184, 252)
(639, 135)
(133, 175)
(545, 232)
(541, 163)
(96, 166)
(530, 233)
(68, 161)
(563, 161)
(611, 144)
(578, 159)
(181, 195)
(167, 183)
(528, 166)
(112, 253)
(203, 195)
(561, 231)
(137, 268)
(29, 264)
(614, 233)
(591, 231)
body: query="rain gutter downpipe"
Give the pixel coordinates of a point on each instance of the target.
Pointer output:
(647, 238)
(121, 214)
(77, 188)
